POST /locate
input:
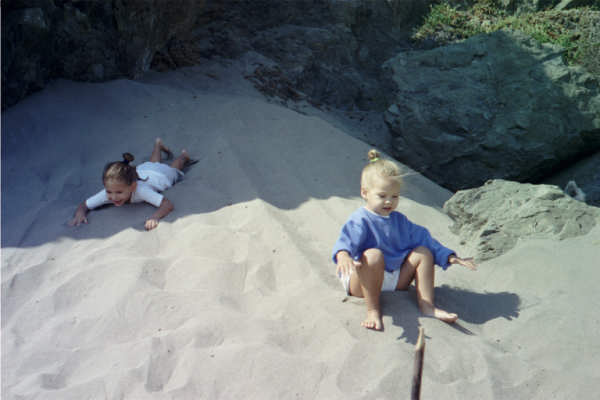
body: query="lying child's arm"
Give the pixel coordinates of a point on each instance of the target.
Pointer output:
(163, 210)
(80, 215)
(466, 262)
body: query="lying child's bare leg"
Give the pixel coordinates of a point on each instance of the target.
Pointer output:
(367, 283)
(157, 150)
(181, 161)
(419, 265)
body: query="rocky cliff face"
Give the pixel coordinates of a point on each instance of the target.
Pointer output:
(85, 40)
(328, 50)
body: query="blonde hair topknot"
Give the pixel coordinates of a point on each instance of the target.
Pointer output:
(381, 167)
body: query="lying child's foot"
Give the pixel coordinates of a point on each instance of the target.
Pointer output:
(373, 321)
(187, 160)
(164, 148)
(183, 161)
(438, 313)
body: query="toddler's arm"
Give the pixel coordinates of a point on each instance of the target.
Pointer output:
(80, 215)
(465, 262)
(163, 210)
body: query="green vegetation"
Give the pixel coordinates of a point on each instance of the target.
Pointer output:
(576, 30)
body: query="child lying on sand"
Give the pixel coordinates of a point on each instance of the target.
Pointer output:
(124, 183)
(380, 249)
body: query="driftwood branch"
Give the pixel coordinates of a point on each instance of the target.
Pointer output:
(418, 366)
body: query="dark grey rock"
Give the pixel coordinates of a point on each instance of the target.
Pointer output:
(328, 51)
(85, 40)
(494, 106)
(495, 216)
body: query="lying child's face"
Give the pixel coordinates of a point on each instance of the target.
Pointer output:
(119, 192)
(382, 195)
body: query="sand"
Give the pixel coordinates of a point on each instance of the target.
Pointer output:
(234, 295)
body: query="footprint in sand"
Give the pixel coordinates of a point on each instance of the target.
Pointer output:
(153, 272)
(209, 337)
(161, 366)
(53, 381)
(21, 287)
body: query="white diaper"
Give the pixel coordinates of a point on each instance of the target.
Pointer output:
(390, 281)
(158, 175)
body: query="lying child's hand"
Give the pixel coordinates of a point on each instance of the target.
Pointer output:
(80, 216)
(465, 262)
(78, 220)
(151, 224)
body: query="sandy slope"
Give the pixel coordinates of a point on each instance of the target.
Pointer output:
(233, 295)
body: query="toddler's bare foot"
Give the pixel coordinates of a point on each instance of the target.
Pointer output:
(445, 316)
(438, 313)
(373, 321)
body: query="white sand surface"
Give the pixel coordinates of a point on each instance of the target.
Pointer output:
(234, 295)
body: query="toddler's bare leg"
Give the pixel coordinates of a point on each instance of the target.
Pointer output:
(180, 161)
(367, 283)
(419, 265)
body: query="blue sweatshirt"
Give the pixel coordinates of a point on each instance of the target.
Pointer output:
(395, 236)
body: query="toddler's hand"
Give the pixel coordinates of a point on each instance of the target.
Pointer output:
(345, 264)
(151, 224)
(465, 262)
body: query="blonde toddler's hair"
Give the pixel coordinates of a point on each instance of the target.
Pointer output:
(378, 166)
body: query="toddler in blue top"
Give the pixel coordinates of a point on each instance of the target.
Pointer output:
(380, 249)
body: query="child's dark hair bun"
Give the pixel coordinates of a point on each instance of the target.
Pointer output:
(127, 158)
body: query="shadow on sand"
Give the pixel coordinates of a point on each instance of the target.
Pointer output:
(472, 307)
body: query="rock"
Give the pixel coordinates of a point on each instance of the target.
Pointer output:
(85, 40)
(25, 34)
(495, 216)
(500, 105)
(330, 51)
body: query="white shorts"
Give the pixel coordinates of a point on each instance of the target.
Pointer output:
(158, 175)
(390, 281)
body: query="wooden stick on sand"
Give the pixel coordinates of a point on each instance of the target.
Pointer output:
(418, 366)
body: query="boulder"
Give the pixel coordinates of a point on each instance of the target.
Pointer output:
(499, 105)
(495, 216)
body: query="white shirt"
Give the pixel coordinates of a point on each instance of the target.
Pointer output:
(143, 192)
